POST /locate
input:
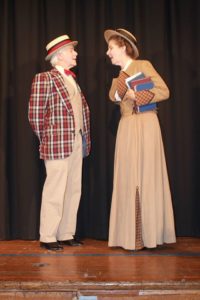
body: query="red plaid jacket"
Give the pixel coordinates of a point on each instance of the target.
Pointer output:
(51, 116)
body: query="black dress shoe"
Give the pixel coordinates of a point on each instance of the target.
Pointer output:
(71, 242)
(51, 246)
(77, 239)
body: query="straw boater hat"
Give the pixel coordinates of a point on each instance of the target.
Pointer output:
(124, 34)
(57, 44)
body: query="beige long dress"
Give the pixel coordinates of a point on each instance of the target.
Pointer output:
(141, 209)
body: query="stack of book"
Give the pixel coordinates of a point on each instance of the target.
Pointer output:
(139, 82)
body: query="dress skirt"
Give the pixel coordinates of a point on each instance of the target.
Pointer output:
(140, 174)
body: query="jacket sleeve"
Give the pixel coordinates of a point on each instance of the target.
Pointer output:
(38, 102)
(86, 124)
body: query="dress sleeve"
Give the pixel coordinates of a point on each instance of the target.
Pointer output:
(160, 90)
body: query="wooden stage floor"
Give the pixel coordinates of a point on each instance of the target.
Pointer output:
(94, 271)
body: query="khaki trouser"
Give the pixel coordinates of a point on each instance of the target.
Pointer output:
(61, 196)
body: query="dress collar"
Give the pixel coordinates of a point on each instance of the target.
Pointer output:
(127, 65)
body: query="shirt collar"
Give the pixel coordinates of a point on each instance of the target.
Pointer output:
(60, 69)
(127, 64)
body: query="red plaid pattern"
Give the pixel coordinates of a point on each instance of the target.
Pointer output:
(51, 116)
(138, 224)
(121, 85)
(143, 97)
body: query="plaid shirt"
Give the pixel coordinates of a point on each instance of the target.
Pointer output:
(51, 116)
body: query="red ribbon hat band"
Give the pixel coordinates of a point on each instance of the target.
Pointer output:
(58, 43)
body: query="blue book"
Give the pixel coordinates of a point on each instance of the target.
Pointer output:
(146, 107)
(143, 86)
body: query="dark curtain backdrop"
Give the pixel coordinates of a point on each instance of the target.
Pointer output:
(168, 35)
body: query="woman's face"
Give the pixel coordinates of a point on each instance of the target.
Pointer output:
(115, 53)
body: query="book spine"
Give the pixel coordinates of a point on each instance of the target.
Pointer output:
(147, 107)
(131, 80)
(143, 86)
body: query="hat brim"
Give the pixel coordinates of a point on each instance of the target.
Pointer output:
(109, 33)
(49, 56)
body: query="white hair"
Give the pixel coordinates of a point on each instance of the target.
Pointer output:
(54, 58)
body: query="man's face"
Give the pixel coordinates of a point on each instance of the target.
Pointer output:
(68, 57)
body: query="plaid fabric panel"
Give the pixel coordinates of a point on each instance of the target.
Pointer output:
(121, 85)
(86, 123)
(143, 97)
(51, 116)
(138, 224)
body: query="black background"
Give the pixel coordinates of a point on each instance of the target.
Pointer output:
(168, 35)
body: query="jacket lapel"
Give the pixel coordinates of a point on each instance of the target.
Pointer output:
(61, 89)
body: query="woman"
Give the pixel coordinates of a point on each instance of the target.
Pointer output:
(141, 210)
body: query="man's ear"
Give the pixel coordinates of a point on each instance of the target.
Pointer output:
(60, 55)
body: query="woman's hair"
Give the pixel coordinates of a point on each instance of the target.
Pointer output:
(120, 41)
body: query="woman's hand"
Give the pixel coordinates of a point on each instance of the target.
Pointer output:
(130, 94)
(130, 97)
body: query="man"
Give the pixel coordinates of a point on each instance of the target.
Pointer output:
(59, 116)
